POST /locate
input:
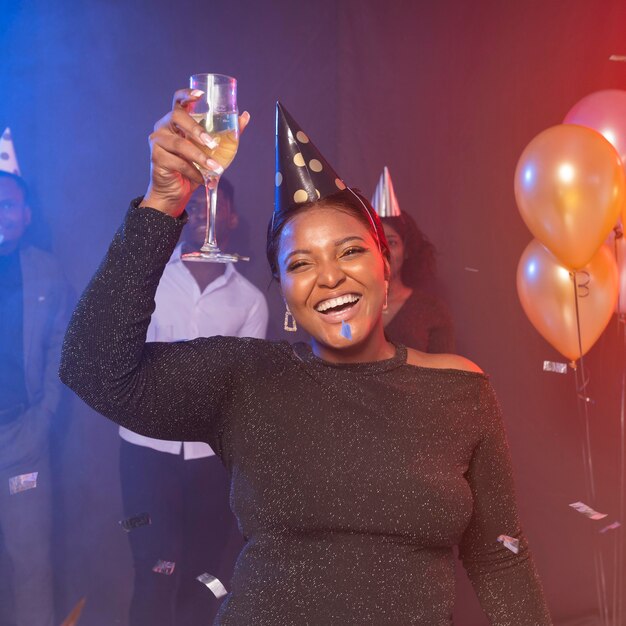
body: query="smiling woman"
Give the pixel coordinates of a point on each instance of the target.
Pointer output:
(356, 465)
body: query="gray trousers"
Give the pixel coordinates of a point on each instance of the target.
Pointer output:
(26, 594)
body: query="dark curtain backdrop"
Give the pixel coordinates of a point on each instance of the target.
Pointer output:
(446, 93)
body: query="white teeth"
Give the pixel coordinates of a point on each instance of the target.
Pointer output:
(333, 302)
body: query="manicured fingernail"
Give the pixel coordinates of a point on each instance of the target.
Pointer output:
(214, 166)
(196, 93)
(246, 116)
(208, 141)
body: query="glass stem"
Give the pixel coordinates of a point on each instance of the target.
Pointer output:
(210, 187)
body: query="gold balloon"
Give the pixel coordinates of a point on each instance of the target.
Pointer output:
(570, 188)
(546, 291)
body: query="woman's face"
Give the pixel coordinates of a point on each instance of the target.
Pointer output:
(396, 249)
(331, 270)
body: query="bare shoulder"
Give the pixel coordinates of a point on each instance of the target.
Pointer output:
(441, 361)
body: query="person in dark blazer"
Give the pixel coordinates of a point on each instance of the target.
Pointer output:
(33, 303)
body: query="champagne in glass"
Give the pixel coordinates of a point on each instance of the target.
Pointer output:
(217, 112)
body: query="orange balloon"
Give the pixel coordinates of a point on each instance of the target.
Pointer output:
(546, 291)
(570, 188)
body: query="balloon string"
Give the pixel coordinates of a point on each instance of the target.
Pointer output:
(581, 393)
(618, 234)
(583, 414)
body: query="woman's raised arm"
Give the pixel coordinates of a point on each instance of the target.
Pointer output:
(171, 391)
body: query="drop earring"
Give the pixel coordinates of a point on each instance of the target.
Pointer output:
(290, 321)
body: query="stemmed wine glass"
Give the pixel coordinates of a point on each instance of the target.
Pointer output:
(217, 112)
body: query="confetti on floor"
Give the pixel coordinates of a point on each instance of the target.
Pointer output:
(581, 507)
(554, 366)
(213, 584)
(23, 482)
(130, 523)
(164, 567)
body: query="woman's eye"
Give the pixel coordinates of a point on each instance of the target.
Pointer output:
(352, 251)
(295, 265)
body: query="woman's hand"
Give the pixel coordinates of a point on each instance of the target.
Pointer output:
(174, 147)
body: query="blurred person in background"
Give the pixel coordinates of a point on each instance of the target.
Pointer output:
(413, 317)
(33, 305)
(182, 485)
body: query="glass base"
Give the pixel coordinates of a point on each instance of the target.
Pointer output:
(216, 256)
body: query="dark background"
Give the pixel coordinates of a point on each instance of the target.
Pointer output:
(446, 93)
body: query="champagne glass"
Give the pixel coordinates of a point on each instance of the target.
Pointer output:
(216, 110)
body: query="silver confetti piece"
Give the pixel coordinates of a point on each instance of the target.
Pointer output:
(213, 584)
(164, 567)
(509, 542)
(130, 523)
(555, 366)
(618, 57)
(612, 526)
(346, 331)
(23, 482)
(581, 507)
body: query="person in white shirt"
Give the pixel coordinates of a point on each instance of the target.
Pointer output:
(182, 486)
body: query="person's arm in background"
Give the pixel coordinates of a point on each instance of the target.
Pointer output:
(58, 314)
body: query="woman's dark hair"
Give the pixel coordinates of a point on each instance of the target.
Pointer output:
(419, 253)
(349, 200)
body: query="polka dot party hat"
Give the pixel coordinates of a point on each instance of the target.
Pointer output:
(384, 199)
(8, 160)
(302, 173)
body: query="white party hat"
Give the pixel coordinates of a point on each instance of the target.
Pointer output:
(384, 199)
(8, 160)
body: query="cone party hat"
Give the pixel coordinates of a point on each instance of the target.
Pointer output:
(302, 172)
(8, 160)
(384, 199)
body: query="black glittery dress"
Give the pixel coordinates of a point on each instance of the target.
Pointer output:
(351, 483)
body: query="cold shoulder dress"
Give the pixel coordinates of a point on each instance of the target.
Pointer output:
(351, 483)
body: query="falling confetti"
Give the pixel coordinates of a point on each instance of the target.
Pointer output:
(612, 526)
(509, 542)
(581, 507)
(346, 331)
(213, 584)
(143, 519)
(554, 366)
(72, 618)
(164, 567)
(618, 57)
(471, 269)
(23, 482)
